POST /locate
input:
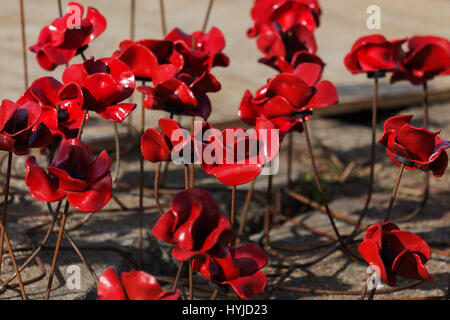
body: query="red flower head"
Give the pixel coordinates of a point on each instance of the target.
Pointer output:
(238, 267)
(100, 86)
(21, 128)
(180, 93)
(194, 224)
(144, 56)
(285, 12)
(392, 252)
(135, 285)
(59, 42)
(280, 63)
(233, 155)
(286, 97)
(74, 172)
(373, 54)
(415, 147)
(201, 51)
(157, 145)
(62, 118)
(426, 57)
(274, 42)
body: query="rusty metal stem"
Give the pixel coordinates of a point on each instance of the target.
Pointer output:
(372, 157)
(178, 275)
(191, 281)
(192, 165)
(24, 45)
(394, 193)
(4, 234)
(141, 190)
(56, 253)
(244, 213)
(208, 12)
(156, 188)
(162, 14)
(267, 212)
(117, 145)
(233, 205)
(344, 247)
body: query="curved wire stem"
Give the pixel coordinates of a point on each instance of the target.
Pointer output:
(372, 158)
(244, 213)
(141, 189)
(117, 146)
(156, 188)
(426, 190)
(344, 247)
(4, 234)
(24, 45)
(56, 252)
(394, 193)
(208, 12)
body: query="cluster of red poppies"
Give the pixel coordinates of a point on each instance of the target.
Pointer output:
(388, 250)
(51, 115)
(284, 31)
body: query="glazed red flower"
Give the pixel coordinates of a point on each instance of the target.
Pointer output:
(21, 128)
(373, 53)
(233, 155)
(392, 252)
(100, 86)
(417, 147)
(135, 285)
(180, 93)
(285, 12)
(201, 51)
(426, 57)
(194, 224)
(280, 64)
(274, 42)
(143, 56)
(157, 145)
(62, 118)
(74, 172)
(59, 42)
(238, 267)
(286, 96)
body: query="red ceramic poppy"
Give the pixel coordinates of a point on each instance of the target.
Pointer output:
(201, 51)
(61, 118)
(21, 128)
(426, 57)
(74, 172)
(180, 93)
(100, 86)
(59, 42)
(392, 252)
(135, 285)
(280, 64)
(373, 53)
(143, 56)
(194, 224)
(415, 147)
(274, 42)
(285, 12)
(157, 145)
(287, 96)
(238, 267)
(235, 156)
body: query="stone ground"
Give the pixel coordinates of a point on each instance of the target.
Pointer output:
(337, 141)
